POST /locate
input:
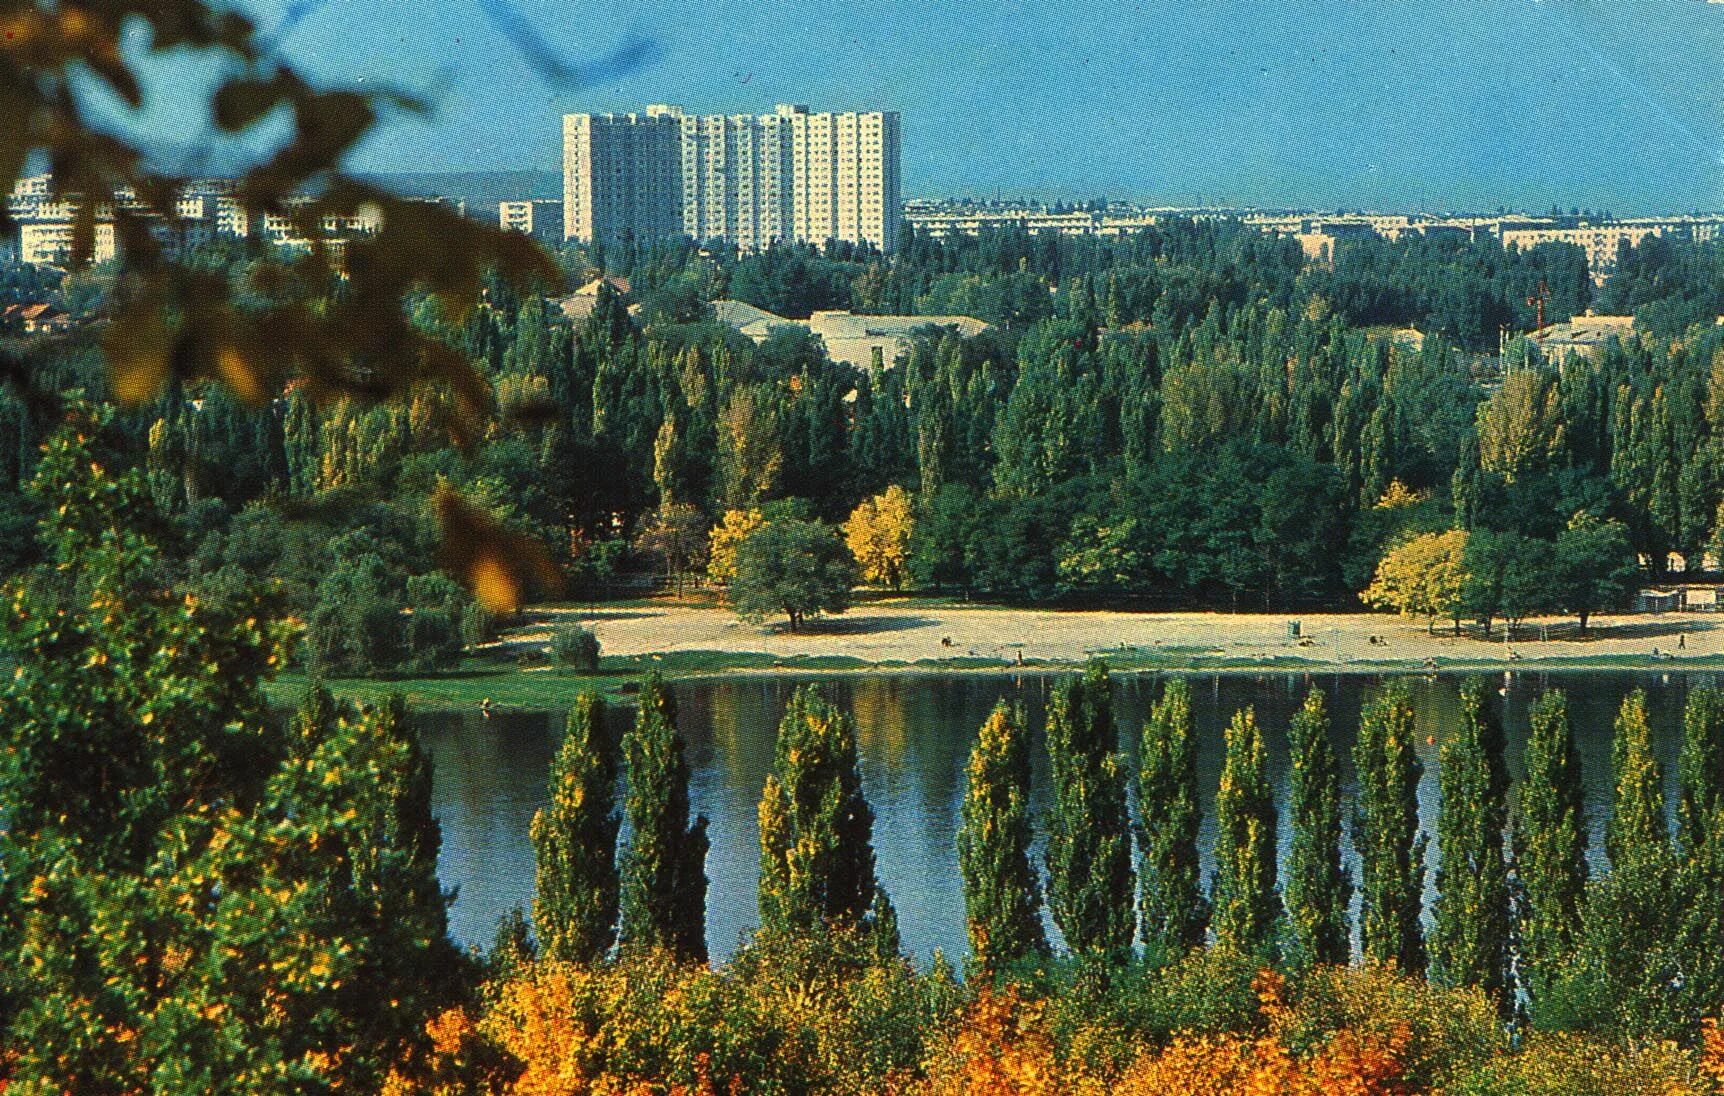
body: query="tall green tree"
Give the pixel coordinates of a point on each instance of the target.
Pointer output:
(1317, 890)
(1700, 768)
(1386, 833)
(664, 865)
(1247, 905)
(1549, 847)
(1174, 911)
(817, 830)
(1002, 897)
(1700, 873)
(1470, 934)
(1628, 970)
(1089, 834)
(1636, 832)
(574, 841)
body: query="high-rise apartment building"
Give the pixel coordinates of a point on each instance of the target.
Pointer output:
(743, 179)
(622, 176)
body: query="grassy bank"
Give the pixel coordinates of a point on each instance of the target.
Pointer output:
(512, 687)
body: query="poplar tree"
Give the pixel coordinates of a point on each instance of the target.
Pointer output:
(1246, 903)
(1173, 908)
(1002, 897)
(574, 842)
(1628, 967)
(816, 830)
(664, 865)
(1700, 822)
(1470, 934)
(1636, 832)
(1700, 769)
(1317, 888)
(1089, 837)
(1549, 847)
(1386, 834)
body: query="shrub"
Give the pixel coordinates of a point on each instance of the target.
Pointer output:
(575, 647)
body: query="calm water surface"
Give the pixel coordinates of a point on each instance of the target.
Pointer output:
(916, 733)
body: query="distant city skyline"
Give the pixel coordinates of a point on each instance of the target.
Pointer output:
(1307, 103)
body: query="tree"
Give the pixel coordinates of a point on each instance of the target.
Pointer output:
(574, 841)
(287, 138)
(1173, 908)
(1508, 576)
(197, 897)
(1423, 576)
(817, 831)
(676, 535)
(664, 865)
(1002, 897)
(723, 539)
(878, 535)
(1317, 890)
(790, 566)
(1628, 967)
(1700, 768)
(1470, 935)
(1386, 834)
(1247, 906)
(1594, 565)
(1089, 836)
(1520, 427)
(1549, 848)
(1636, 831)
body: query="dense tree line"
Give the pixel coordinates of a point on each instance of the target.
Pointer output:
(1193, 414)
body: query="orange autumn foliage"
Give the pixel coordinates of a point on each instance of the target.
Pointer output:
(1712, 1052)
(999, 1049)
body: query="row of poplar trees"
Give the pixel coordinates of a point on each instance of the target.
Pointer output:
(1517, 913)
(817, 853)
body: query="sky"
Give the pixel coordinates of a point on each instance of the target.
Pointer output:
(1471, 104)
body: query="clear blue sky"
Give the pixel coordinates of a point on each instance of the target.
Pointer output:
(1614, 104)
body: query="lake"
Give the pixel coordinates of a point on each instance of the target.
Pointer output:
(915, 733)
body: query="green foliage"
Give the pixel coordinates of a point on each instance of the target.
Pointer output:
(1700, 769)
(1247, 905)
(1470, 934)
(574, 841)
(1386, 834)
(664, 864)
(795, 567)
(1002, 896)
(816, 831)
(1317, 890)
(1170, 814)
(1089, 833)
(197, 897)
(1550, 840)
(1626, 971)
(575, 646)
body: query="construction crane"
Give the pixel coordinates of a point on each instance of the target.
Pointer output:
(1537, 301)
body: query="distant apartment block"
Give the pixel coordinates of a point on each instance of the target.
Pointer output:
(1603, 243)
(742, 179)
(536, 217)
(203, 210)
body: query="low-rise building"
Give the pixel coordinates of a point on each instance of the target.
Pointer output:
(866, 342)
(1586, 335)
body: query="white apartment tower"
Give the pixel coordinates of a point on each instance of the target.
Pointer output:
(622, 177)
(744, 179)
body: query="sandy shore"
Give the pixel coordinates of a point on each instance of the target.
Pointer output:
(909, 631)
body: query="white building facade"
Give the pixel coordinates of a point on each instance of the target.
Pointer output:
(742, 179)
